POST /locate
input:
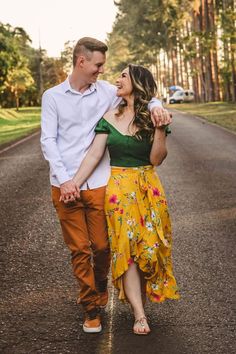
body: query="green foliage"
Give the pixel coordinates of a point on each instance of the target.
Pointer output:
(53, 72)
(9, 52)
(147, 30)
(118, 56)
(24, 71)
(145, 27)
(67, 55)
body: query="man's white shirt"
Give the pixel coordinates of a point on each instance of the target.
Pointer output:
(67, 129)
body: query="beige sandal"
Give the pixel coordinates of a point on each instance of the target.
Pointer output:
(141, 321)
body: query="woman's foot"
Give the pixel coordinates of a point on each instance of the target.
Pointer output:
(141, 326)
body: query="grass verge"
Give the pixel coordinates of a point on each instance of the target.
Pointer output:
(15, 125)
(221, 113)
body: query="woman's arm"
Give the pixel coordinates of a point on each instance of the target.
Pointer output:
(159, 150)
(91, 159)
(87, 166)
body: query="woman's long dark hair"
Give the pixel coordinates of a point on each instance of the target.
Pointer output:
(144, 89)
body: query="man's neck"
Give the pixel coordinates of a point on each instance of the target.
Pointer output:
(77, 83)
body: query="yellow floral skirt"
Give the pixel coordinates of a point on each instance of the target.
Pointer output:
(139, 230)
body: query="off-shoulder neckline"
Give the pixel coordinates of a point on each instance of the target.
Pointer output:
(131, 136)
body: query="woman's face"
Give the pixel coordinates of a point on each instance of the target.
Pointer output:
(124, 85)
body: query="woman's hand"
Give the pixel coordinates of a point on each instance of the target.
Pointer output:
(160, 117)
(77, 194)
(70, 191)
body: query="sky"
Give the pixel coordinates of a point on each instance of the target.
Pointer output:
(55, 21)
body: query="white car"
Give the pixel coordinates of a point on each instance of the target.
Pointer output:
(182, 96)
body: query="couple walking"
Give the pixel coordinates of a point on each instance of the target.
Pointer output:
(110, 208)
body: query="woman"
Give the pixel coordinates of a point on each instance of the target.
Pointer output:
(137, 216)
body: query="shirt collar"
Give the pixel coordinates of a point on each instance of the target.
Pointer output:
(67, 87)
(92, 87)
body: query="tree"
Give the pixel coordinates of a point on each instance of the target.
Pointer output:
(118, 55)
(53, 72)
(66, 56)
(184, 42)
(18, 80)
(9, 52)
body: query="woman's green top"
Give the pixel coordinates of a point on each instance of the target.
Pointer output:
(125, 150)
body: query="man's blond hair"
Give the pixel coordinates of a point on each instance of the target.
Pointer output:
(86, 46)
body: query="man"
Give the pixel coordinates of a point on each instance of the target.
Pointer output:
(70, 112)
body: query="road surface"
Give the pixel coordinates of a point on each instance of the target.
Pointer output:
(38, 313)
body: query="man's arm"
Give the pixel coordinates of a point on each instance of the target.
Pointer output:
(49, 132)
(49, 126)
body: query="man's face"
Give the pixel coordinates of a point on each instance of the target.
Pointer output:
(93, 66)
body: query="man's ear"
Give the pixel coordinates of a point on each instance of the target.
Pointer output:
(80, 61)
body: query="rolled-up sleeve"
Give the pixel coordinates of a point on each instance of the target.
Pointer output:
(154, 103)
(49, 135)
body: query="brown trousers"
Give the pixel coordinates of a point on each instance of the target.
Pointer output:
(84, 229)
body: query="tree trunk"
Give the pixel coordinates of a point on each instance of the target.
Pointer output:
(233, 57)
(180, 64)
(195, 67)
(205, 29)
(169, 69)
(174, 66)
(210, 37)
(227, 93)
(17, 100)
(201, 53)
(232, 47)
(165, 72)
(214, 50)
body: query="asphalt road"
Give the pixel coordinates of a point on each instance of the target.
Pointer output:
(38, 313)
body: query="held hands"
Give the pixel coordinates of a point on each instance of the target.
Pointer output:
(70, 191)
(160, 117)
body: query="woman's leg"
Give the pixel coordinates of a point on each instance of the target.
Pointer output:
(132, 286)
(143, 287)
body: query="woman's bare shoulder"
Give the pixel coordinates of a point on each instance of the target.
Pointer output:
(110, 115)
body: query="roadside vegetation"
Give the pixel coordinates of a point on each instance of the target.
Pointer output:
(221, 113)
(17, 124)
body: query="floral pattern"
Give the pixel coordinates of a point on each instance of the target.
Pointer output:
(139, 230)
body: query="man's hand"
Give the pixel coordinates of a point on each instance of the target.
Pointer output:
(160, 116)
(69, 191)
